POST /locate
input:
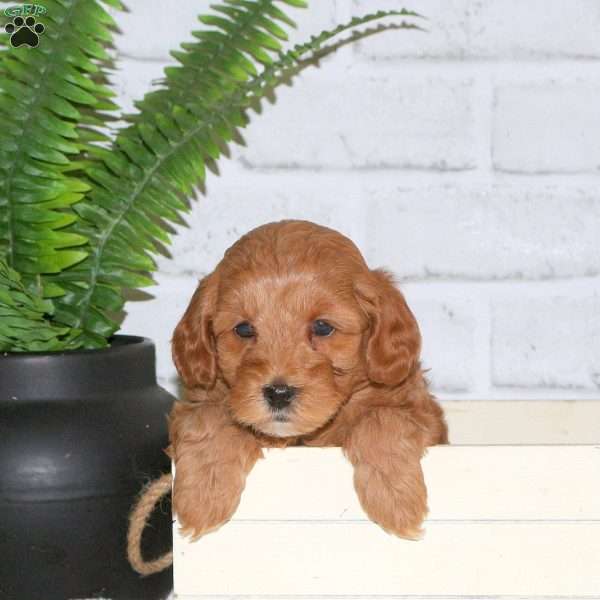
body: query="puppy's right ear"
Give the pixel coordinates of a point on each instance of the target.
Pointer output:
(193, 344)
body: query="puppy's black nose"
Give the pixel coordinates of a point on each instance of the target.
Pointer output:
(279, 395)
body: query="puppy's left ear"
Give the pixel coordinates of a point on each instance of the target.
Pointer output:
(394, 342)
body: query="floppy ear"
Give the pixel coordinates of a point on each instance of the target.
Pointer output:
(193, 345)
(394, 342)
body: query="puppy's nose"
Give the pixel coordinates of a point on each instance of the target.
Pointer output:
(279, 395)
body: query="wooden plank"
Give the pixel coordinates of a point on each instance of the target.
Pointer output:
(523, 421)
(464, 482)
(505, 521)
(343, 559)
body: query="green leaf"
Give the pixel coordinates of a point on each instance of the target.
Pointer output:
(25, 318)
(296, 3)
(108, 297)
(47, 97)
(157, 159)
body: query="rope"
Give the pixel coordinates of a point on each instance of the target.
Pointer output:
(140, 513)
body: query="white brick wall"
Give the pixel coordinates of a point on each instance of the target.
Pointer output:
(552, 341)
(465, 159)
(362, 120)
(564, 121)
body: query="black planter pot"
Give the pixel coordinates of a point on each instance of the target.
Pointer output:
(80, 433)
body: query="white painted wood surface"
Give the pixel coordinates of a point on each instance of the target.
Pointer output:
(523, 421)
(505, 520)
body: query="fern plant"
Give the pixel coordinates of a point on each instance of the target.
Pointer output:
(82, 213)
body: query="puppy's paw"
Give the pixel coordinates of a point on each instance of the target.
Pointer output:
(395, 500)
(209, 504)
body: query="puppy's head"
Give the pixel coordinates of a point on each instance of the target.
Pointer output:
(293, 322)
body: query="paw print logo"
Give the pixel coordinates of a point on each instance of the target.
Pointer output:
(24, 31)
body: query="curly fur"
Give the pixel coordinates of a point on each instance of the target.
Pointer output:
(361, 388)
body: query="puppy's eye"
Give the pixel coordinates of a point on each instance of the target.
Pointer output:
(322, 328)
(244, 330)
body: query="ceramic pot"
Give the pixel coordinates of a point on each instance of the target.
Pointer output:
(80, 434)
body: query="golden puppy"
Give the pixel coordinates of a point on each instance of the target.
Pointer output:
(293, 340)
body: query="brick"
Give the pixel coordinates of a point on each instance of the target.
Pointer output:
(551, 342)
(446, 36)
(483, 232)
(237, 202)
(459, 29)
(132, 79)
(151, 29)
(534, 29)
(547, 128)
(447, 329)
(364, 120)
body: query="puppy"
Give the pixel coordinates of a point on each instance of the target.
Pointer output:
(292, 340)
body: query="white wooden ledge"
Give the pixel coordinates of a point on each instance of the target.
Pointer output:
(514, 520)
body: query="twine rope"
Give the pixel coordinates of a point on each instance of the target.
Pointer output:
(138, 519)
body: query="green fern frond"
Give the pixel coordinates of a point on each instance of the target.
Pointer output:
(142, 182)
(47, 95)
(25, 324)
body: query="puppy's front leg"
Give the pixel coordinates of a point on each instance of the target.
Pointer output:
(386, 447)
(212, 459)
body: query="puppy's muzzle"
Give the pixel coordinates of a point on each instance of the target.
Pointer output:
(279, 395)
